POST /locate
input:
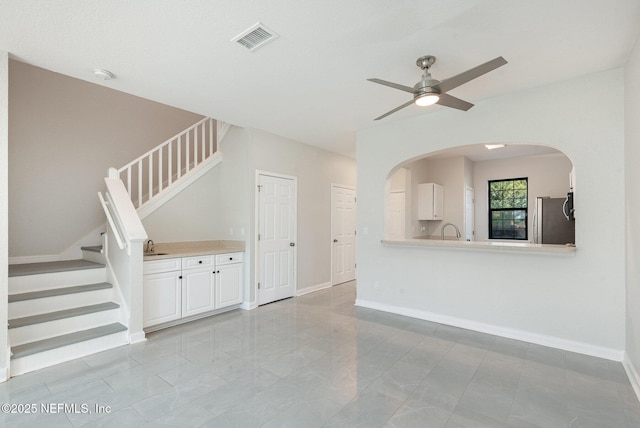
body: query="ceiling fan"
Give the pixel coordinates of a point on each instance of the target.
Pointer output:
(429, 91)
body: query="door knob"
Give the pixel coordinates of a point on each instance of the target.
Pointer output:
(335, 240)
(292, 244)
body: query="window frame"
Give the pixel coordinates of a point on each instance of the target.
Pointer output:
(492, 210)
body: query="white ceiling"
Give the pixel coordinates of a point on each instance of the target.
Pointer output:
(310, 84)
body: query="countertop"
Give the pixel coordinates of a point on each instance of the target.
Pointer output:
(171, 250)
(484, 245)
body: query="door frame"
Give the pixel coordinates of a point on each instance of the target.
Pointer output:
(342, 186)
(256, 243)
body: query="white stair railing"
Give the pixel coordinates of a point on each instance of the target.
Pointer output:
(148, 175)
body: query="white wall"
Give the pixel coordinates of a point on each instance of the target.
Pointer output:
(632, 175)
(64, 134)
(548, 175)
(4, 209)
(573, 302)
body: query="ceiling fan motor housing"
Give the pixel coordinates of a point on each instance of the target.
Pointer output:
(425, 87)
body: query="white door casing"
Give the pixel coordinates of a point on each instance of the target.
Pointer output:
(277, 225)
(469, 213)
(343, 231)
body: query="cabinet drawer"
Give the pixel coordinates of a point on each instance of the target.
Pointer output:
(225, 259)
(197, 262)
(158, 266)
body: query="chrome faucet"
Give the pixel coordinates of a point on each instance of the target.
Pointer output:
(149, 247)
(458, 235)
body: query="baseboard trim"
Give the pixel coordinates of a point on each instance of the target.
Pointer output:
(632, 374)
(34, 259)
(137, 337)
(313, 288)
(247, 306)
(525, 336)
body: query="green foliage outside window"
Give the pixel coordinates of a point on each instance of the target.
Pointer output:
(508, 209)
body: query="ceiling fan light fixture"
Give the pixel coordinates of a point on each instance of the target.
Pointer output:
(427, 100)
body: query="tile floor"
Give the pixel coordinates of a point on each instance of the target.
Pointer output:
(317, 360)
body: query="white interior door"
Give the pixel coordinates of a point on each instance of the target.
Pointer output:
(343, 231)
(469, 213)
(276, 238)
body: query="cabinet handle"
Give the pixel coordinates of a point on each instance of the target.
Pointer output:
(214, 272)
(230, 258)
(180, 277)
(200, 261)
(217, 271)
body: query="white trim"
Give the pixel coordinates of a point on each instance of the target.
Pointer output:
(247, 306)
(185, 181)
(314, 288)
(256, 246)
(540, 339)
(334, 185)
(137, 337)
(632, 374)
(34, 259)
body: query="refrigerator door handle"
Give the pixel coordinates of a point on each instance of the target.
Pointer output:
(535, 224)
(564, 208)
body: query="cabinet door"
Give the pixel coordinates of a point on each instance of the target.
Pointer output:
(161, 298)
(197, 291)
(438, 202)
(229, 285)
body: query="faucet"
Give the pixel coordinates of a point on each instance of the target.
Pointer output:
(149, 246)
(449, 224)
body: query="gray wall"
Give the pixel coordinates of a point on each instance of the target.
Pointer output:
(221, 205)
(63, 135)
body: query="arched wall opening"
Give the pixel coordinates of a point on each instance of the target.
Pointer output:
(463, 176)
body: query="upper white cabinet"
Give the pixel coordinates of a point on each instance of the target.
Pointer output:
(430, 201)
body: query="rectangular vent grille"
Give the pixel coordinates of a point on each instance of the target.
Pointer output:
(255, 37)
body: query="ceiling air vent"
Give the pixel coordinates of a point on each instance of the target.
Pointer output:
(255, 37)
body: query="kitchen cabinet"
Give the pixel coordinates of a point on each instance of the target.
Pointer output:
(180, 288)
(198, 285)
(161, 298)
(430, 201)
(229, 279)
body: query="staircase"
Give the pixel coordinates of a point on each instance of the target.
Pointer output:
(59, 311)
(62, 310)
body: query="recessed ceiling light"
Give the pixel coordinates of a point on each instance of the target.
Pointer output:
(494, 146)
(103, 74)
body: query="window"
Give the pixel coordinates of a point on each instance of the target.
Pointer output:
(508, 209)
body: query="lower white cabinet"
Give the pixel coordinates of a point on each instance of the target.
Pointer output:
(192, 286)
(198, 285)
(161, 298)
(229, 284)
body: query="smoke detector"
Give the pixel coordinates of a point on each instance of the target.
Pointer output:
(255, 37)
(103, 74)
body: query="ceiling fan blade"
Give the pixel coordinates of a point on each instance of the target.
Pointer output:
(408, 103)
(453, 102)
(466, 76)
(392, 85)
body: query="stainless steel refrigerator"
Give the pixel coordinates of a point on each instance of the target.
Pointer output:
(551, 223)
